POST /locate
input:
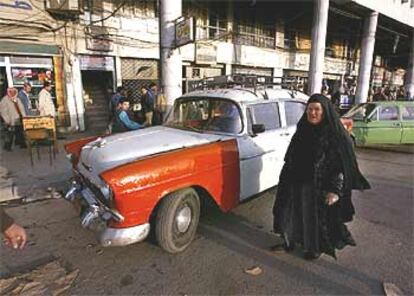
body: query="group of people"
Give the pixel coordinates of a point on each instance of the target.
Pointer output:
(17, 104)
(388, 94)
(313, 200)
(147, 111)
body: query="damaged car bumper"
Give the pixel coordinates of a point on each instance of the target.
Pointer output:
(93, 209)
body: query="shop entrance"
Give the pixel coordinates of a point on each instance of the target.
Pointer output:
(97, 90)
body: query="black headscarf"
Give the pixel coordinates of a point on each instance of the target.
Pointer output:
(304, 144)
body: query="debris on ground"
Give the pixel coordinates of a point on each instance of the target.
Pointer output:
(391, 289)
(254, 271)
(49, 279)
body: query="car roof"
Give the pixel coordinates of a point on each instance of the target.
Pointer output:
(249, 95)
(386, 103)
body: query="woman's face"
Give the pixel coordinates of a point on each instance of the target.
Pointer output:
(314, 113)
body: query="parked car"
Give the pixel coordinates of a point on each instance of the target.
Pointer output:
(223, 145)
(383, 122)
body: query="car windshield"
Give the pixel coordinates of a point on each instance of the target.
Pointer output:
(359, 112)
(205, 114)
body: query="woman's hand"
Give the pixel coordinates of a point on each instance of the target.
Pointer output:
(331, 198)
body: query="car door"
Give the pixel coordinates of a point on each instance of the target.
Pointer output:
(384, 126)
(261, 155)
(407, 122)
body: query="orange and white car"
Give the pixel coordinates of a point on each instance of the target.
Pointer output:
(223, 145)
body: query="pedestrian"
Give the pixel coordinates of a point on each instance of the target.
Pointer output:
(46, 105)
(15, 235)
(313, 199)
(12, 112)
(122, 122)
(160, 109)
(24, 97)
(149, 103)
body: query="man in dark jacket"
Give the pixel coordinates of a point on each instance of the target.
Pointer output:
(149, 103)
(14, 234)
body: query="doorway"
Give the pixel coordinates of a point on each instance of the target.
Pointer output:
(97, 91)
(3, 82)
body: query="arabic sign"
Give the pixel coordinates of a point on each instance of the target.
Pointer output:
(184, 32)
(96, 63)
(16, 5)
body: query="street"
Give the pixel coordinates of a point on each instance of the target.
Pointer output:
(228, 244)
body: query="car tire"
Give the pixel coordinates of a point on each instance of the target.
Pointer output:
(177, 220)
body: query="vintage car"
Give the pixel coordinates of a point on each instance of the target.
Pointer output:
(383, 122)
(222, 145)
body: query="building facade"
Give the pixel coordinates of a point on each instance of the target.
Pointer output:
(88, 48)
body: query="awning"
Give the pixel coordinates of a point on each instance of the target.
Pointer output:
(19, 48)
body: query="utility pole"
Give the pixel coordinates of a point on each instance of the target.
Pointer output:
(317, 58)
(170, 58)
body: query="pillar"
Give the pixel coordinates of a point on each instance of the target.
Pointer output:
(317, 58)
(170, 58)
(410, 71)
(367, 53)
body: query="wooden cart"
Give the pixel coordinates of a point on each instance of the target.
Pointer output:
(40, 131)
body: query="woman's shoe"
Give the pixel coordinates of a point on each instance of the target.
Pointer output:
(311, 255)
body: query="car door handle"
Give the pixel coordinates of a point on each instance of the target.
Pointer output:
(284, 134)
(396, 124)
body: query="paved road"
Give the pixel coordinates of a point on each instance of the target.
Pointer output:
(227, 244)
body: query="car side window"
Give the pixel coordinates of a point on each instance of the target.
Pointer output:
(407, 112)
(294, 111)
(266, 114)
(388, 113)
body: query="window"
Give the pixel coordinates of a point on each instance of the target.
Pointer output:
(407, 112)
(294, 111)
(267, 114)
(388, 113)
(206, 115)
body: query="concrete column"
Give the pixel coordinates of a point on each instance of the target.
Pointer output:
(78, 93)
(230, 20)
(317, 58)
(410, 74)
(171, 63)
(367, 53)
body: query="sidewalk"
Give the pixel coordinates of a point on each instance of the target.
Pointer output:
(392, 148)
(20, 180)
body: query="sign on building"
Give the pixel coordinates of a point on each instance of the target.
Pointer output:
(184, 31)
(205, 53)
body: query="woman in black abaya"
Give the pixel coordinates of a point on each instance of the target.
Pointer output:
(313, 200)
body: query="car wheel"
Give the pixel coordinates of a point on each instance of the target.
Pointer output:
(177, 220)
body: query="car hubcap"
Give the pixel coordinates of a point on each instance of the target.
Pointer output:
(183, 219)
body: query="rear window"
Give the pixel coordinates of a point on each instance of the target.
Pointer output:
(294, 111)
(267, 114)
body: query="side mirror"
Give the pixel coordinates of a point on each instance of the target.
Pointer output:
(258, 128)
(367, 120)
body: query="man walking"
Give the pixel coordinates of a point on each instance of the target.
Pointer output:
(46, 106)
(149, 103)
(12, 112)
(24, 97)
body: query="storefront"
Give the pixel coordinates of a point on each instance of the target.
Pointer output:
(98, 76)
(36, 64)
